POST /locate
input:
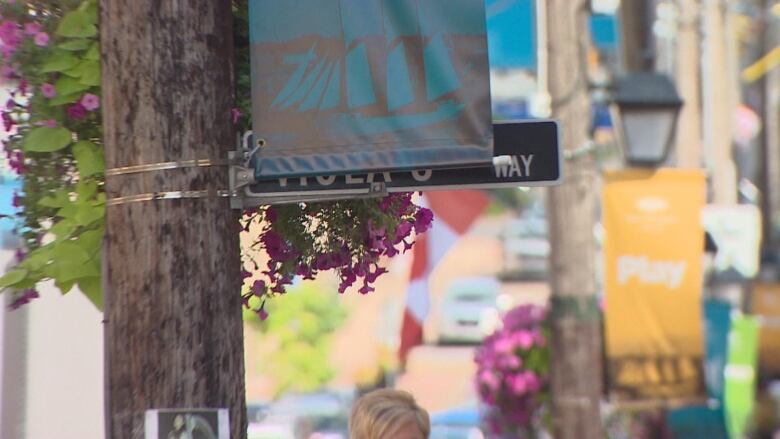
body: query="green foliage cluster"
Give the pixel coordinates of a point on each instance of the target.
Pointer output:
(302, 329)
(63, 204)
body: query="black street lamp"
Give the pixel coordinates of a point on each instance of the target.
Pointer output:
(645, 107)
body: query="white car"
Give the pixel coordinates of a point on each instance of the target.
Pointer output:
(526, 247)
(471, 309)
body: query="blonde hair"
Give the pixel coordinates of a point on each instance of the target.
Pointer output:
(381, 413)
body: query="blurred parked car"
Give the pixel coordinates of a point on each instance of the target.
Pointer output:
(256, 412)
(526, 248)
(321, 415)
(471, 309)
(463, 423)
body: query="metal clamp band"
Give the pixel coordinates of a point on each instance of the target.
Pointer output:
(181, 164)
(172, 195)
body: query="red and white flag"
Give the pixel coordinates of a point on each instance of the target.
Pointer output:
(453, 212)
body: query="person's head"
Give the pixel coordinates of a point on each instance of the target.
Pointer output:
(388, 414)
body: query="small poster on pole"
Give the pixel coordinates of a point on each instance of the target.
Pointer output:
(187, 424)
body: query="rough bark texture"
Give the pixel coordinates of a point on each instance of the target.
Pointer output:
(576, 339)
(174, 335)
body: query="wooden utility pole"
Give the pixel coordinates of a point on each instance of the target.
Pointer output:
(718, 104)
(636, 39)
(576, 327)
(688, 146)
(174, 333)
(770, 152)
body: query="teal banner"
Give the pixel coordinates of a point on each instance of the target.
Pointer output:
(696, 423)
(347, 86)
(717, 318)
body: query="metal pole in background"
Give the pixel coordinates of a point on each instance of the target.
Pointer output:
(576, 327)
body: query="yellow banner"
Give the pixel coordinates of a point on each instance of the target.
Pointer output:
(653, 281)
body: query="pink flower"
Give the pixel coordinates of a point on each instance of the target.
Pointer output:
(532, 381)
(525, 339)
(236, 115)
(51, 123)
(262, 313)
(32, 29)
(90, 102)
(504, 346)
(23, 87)
(423, 219)
(11, 36)
(489, 379)
(8, 123)
(41, 39)
(402, 231)
(8, 72)
(271, 215)
(48, 91)
(77, 111)
(258, 288)
(518, 384)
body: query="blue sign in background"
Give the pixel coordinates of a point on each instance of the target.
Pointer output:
(9, 185)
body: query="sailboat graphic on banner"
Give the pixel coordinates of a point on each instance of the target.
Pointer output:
(405, 78)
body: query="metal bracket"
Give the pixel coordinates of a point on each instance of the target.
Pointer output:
(242, 197)
(239, 177)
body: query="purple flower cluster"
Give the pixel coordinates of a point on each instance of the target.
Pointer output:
(386, 232)
(512, 372)
(12, 35)
(15, 160)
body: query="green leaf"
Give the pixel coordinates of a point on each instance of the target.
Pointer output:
(91, 241)
(13, 277)
(68, 86)
(45, 139)
(87, 215)
(75, 45)
(70, 252)
(68, 99)
(86, 190)
(93, 53)
(87, 72)
(59, 199)
(59, 61)
(64, 229)
(90, 158)
(77, 24)
(38, 258)
(91, 77)
(69, 270)
(64, 287)
(91, 287)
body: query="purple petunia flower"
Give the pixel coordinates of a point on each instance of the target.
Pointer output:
(77, 111)
(41, 39)
(48, 91)
(31, 29)
(90, 102)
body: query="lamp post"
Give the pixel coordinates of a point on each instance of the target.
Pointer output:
(646, 106)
